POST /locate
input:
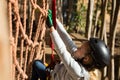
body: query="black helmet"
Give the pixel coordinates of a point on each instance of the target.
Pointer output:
(101, 53)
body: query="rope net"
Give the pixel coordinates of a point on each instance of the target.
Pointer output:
(27, 30)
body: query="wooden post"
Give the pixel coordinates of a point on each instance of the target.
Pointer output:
(5, 56)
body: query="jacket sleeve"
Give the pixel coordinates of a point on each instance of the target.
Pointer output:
(65, 37)
(71, 65)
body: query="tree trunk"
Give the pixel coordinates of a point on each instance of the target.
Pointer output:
(59, 10)
(114, 16)
(89, 18)
(103, 12)
(70, 5)
(96, 24)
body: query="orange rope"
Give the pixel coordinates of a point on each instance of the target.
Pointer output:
(18, 33)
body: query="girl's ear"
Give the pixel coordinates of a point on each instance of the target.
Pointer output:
(87, 59)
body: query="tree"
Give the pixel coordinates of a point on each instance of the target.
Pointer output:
(103, 12)
(113, 22)
(89, 18)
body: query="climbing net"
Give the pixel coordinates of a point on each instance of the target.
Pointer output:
(27, 30)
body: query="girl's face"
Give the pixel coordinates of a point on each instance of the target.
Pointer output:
(84, 52)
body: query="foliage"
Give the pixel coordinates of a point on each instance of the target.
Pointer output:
(78, 19)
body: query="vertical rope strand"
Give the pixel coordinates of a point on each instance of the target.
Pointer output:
(26, 44)
(30, 34)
